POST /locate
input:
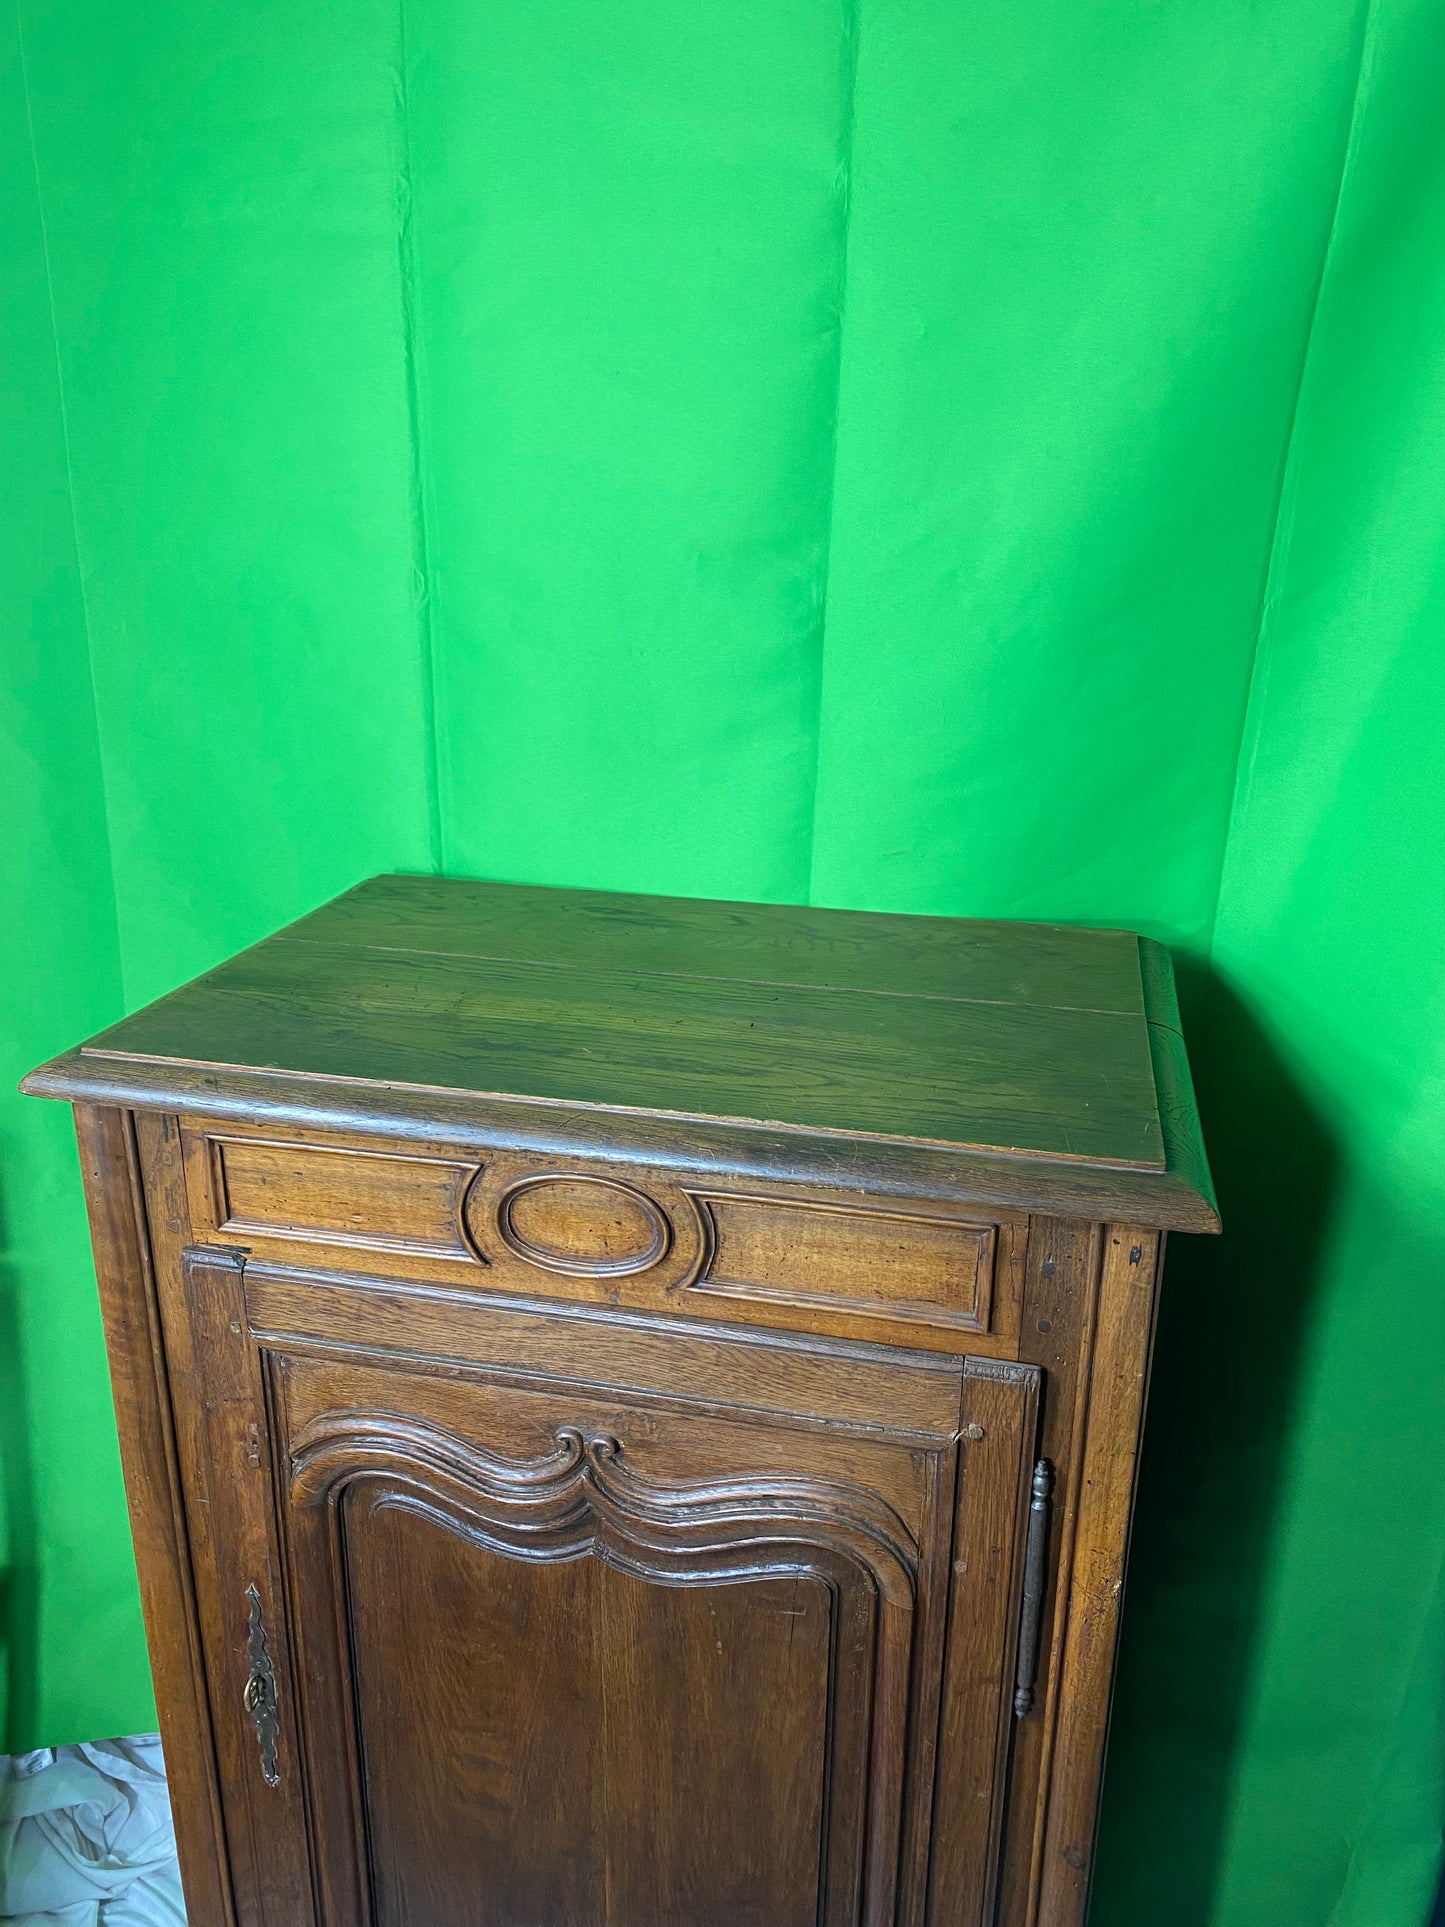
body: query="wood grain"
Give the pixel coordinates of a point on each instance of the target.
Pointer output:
(1060, 1318)
(860, 1385)
(1000, 1406)
(140, 1374)
(582, 1223)
(1023, 1079)
(1119, 1379)
(708, 1777)
(223, 1454)
(925, 1054)
(1177, 1198)
(528, 1758)
(270, 1859)
(877, 1271)
(1013, 963)
(877, 1264)
(359, 1197)
(580, 1363)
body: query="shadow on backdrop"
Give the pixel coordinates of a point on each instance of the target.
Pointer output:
(1234, 1318)
(19, 1574)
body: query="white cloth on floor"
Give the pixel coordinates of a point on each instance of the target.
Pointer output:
(86, 1838)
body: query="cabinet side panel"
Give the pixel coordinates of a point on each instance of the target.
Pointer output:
(115, 1200)
(1127, 1297)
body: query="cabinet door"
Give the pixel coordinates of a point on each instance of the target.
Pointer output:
(562, 1620)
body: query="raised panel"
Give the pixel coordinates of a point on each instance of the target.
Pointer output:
(634, 1236)
(565, 1741)
(566, 1603)
(875, 1264)
(369, 1200)
(561, 1641)
(588, 1226)
(628, 1682)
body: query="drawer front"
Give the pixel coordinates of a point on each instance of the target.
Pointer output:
(632, 1236)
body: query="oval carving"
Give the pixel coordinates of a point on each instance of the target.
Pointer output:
(588, 1227)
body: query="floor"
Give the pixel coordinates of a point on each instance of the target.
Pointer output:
(86, 1837)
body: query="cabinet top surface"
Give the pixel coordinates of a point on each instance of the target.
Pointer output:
(1027, 1040)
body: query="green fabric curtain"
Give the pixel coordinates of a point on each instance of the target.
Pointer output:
(980, 459)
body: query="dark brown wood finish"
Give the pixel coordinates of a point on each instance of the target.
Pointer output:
(1008, 1062)
(140, 1377)
(581, 1362)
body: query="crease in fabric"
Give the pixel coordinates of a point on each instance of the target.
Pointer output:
(80, 573)
(851, 25)
(1282, 527)
(421, 535)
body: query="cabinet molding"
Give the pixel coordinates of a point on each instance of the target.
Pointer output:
(630, 1408)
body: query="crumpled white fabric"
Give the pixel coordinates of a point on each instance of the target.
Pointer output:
(86, 1838)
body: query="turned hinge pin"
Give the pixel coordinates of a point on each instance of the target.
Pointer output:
(1036, 1548)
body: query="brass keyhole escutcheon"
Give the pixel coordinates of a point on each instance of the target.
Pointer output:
(259, 1695)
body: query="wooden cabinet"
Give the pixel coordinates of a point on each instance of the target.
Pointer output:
(629, 1406)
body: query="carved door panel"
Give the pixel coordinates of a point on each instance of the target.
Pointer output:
(581, 1622)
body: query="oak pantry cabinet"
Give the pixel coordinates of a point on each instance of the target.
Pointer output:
(629, 1405)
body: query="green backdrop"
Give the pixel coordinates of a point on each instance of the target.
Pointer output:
(976, 458)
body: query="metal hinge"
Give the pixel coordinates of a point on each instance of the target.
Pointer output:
(1031, 1612)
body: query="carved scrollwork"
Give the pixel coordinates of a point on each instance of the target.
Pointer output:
(587, 1492)
(585, 1497)
(354, 1441)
